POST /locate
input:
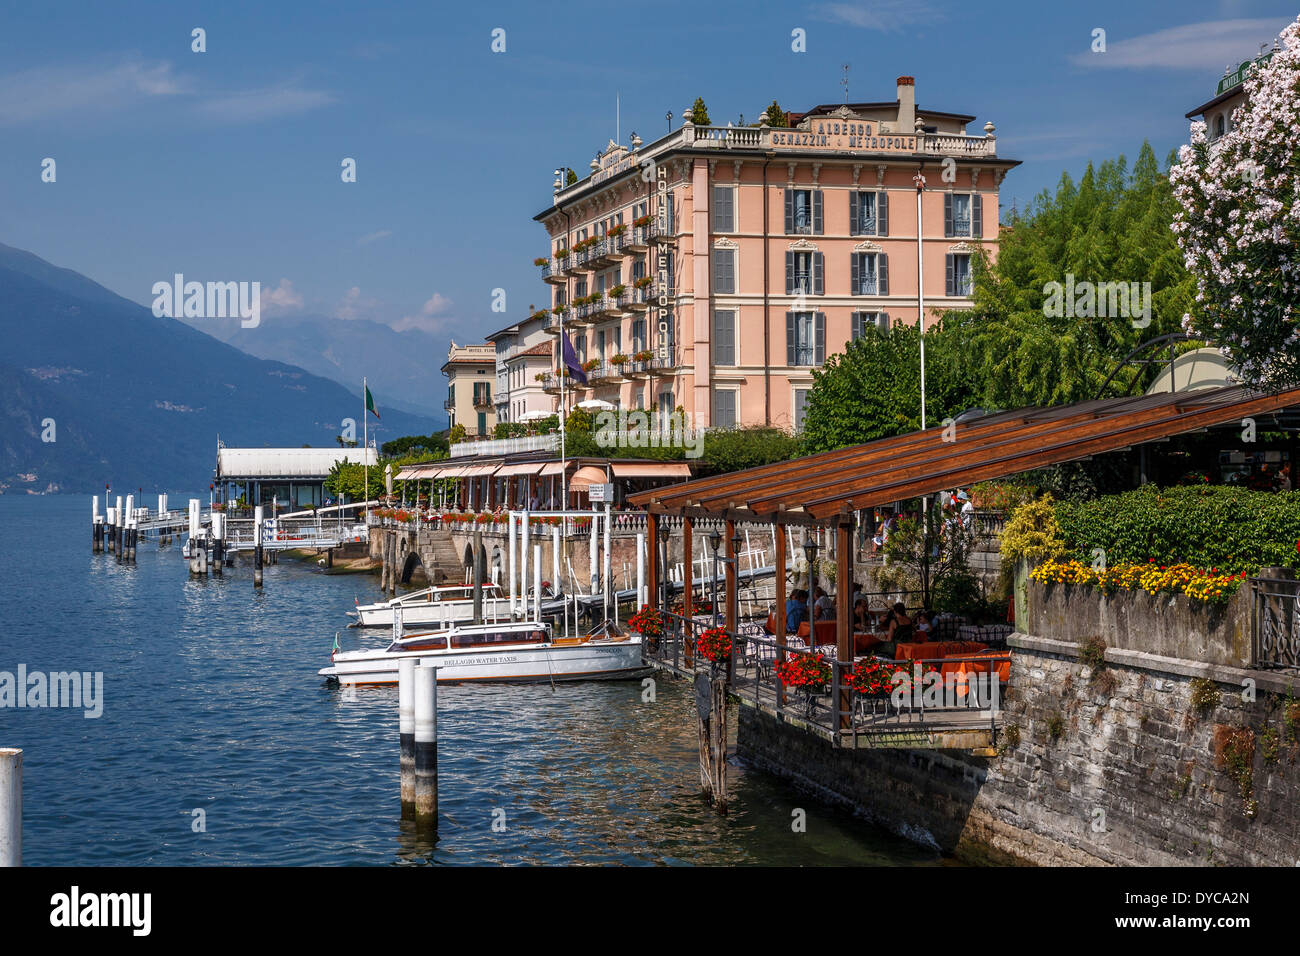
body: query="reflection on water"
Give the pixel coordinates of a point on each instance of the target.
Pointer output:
(214, 713)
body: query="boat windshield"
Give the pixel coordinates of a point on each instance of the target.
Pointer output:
(489, 638)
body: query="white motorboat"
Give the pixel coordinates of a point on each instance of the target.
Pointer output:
(503, 651)
(441, 605)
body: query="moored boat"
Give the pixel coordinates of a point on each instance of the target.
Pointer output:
(442, 604)
(501, 651)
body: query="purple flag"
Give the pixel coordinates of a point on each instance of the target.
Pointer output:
(571, 360)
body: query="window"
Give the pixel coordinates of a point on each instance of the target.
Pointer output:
(963, 215)
(638, 268)
(640, 209)
(579, 288)
(805, 338)
(959, 278)
(724, 271)
(803, 212)
(638, 335)
(600, 283)
(724, 213)
(862, 320)
(869, 273)
(1219, 126)
(724, 337)
(869, 213)
(600, 345)
(804, 273)
(800, 407)
(724, 408)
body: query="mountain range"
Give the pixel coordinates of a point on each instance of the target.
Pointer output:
(96, 389)
(344, 350)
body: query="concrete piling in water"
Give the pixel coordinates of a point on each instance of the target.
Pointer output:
(537, 582)
(640, 570)
(257, 546)
(96, 528)
(406, 733)
(11, 806)
(511, 569)
(477, 571)
(129, 529)
(218, 544)
(426, 745)
(555, 558)
(198, 549)
(109, 533)
(119, 526)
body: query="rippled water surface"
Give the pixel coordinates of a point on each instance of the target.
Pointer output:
(212, 703)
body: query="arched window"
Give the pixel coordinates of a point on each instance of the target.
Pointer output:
(1218, 126)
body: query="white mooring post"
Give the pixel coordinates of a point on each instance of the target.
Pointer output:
(11, 806)
(218, 540)
(524, 550)
(537, 583)
(640, 569)
(510, 557)
(426, 745)
(592, 548)
(257, 546)
(129, 536)
(95, 542)
(406, 732)
(607, 568)
(119, 522)
(555, 559)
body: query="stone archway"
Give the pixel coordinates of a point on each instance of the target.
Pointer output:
(413, 564)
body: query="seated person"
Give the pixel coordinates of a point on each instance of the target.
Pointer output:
(900, 627)
(796, 610)
(823, 606)
(861, 616)
(924, 627)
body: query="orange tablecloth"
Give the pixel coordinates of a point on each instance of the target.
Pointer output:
(917, 652)
(936, 649)
(998, 660)
(864, 641)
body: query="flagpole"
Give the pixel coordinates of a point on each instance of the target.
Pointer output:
(365, 448)
(563, 372)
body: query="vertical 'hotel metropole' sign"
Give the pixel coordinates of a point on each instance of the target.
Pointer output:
(663, 301)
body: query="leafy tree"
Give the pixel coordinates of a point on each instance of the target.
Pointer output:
(570, 178)
(410, 444)
(777, 117)
(456, 434)
(733, 449)
(925, 552)
(1238, 224)
(700, 113)
(873, 388)
(1113, 226)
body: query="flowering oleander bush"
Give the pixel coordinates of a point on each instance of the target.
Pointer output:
(647, 622)
(809, 672)
(1210, 586)
(1239, 224)
(714, 645)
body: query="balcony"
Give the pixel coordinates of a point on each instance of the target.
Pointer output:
(483, 401)
(449, 404)
(550, 383)
(553, 271)
(640, 237)
(666, 363)
(602, 254)
(551, 323)
(637, 299)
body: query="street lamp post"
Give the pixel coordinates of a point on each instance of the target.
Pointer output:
(919, 180)
(715, 541)
(810, 552)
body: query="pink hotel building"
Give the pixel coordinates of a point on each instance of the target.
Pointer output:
(717, 267)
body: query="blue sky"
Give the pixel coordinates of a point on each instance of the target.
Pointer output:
(225, 165)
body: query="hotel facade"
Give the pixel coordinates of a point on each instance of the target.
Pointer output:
(715, 269)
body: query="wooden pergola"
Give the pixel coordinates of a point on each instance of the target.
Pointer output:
(828, 489)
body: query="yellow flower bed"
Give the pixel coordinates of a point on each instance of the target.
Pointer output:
(1209, 587)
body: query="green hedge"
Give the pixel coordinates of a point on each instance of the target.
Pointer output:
(1215, 526)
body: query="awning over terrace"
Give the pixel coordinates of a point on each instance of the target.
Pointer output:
(817, 488)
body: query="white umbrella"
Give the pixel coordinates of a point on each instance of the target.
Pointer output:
(597, 404)
(535, 415)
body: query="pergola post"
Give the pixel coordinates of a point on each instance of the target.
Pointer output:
(652, 549)
(844, 612)
(778, 540)
(688, 582)
(733, 602)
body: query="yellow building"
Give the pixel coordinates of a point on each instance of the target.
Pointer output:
(470, 371)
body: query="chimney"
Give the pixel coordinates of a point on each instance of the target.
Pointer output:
(906, 105)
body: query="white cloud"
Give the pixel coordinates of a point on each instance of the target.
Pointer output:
(245, 106)
(33, 94)
(282, 297)
(374, 237)
(1195, 46)
(355, 305)
(431, 317)
(885, 16)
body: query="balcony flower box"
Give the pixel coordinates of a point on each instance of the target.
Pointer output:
(541, 261)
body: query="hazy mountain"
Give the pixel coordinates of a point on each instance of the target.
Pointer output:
(139, 401)
(404, 368)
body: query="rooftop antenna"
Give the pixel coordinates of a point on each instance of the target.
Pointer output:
(844, 82)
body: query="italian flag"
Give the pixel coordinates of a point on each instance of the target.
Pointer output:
(370, 403)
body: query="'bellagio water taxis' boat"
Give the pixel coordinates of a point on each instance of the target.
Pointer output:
(503, 651)
(444, 604)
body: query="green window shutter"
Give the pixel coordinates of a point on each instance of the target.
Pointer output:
(977, 215)
(882, 274)
(789, 273)
(817, 212)
(854, 224)
(854, 274)
(819, 339)
(789, 211)
(882, 213)
(789, 339)
(819, 274)
(947, 215)
(950, 286)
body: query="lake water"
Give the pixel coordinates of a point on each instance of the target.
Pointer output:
(211, 703)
